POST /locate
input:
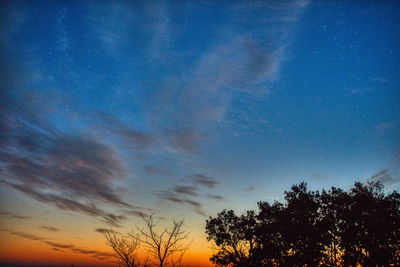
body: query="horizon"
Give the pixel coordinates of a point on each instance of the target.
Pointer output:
(113, 109)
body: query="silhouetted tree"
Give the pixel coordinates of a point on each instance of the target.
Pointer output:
(301, 227)
(234, 236)
(125, 247)
(167, 245)
(369, 226)
(331, 203)
(332, 228)
(271, 246)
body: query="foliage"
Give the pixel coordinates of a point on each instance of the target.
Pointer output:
(331, 228)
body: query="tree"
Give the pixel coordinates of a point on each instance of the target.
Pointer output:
(331, 203)
(234, 236)
(369, 226)
(301, 227)
(125, 247)
(334, 228)
(168, 245)
(271, 245)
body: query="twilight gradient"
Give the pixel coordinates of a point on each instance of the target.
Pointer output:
(112, 109)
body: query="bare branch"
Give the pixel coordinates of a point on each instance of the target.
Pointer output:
(124, 246)
(167, 245)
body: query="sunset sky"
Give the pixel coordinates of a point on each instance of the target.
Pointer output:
(109, 109)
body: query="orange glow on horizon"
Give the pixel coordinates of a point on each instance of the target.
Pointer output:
(15, 249)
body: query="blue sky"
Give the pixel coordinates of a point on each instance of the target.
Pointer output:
(188, 107)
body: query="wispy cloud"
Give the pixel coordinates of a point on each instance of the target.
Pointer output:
(63, 40)
(110, 23)
(13, 215)
(58, 245)
(384, 177)
(202, 180)
(70, 172)
(49, 228)
(186, 190)
(250, 188)
(137, 213)
(27, 236)
(134, 138)
(69, 204)
(61, 247)
(385, 126)
(20, 216)
(156, 170)
(215, 197)
(360, 90)
(160, 25)
(189, 187)
(376, 79)
(74, 165)
(239, 63)
(104, 230)
(172, 197)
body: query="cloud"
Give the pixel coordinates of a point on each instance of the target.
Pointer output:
(385, 126)
(183, 140)
(110, 23)
(186, 189)
(58, 250)
(384, 177)
(13, 215)
(376, 79)
(360, 91)
(160, 28)
(203, 180)
(152, 169)
(203, 97)
(71, 205)
(70, 172)
(49, 228)
(71, 164)
(63, 40)
(85, 251)
(184, 106)
(27, 236)
(171, 197)
(58, 245)
(192, 183)
(133, 138)
(242, 65)
(136, 213)
(243, 62)
(215, 197)
(250, 188)
(103, 230)
(21, 217)
(113, 219)
(61, 247)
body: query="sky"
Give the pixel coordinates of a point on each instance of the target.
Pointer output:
(112, 109)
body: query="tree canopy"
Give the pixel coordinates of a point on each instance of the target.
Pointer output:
(329, 228)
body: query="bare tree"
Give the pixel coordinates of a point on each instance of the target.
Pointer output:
(168, 245)
(125, 247)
